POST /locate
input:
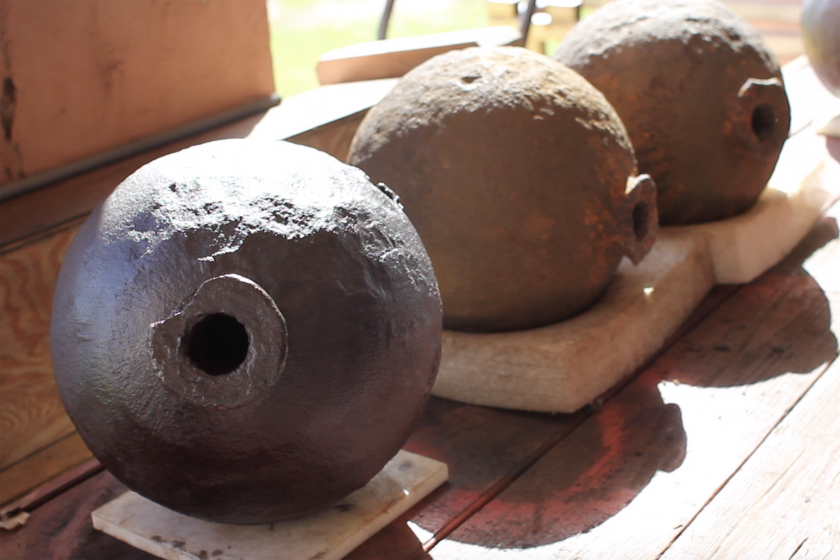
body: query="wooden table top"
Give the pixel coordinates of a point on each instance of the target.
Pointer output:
(726, 445)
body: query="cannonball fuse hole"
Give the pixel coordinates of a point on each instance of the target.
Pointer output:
(640, 220)
(763, 121)
(217, 344)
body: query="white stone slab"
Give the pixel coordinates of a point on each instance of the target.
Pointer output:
(830, 126)
(744, 247)
(564, 366)
(327, 535)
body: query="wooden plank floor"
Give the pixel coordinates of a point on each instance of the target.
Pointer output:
(729, 430)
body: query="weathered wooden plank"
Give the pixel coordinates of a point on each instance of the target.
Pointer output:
(485, 449)
(27, 474)
(632, 475)
(791, 484)
(391, 58)
(46, 492)
(31, 416)
(324, 118)
(787, 483)
(61, 529)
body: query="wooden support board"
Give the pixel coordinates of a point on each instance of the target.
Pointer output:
(326, 535)
(392, 58)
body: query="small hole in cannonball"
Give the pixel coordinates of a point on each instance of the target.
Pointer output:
(763, 121)
(217, 344)
(640, 220)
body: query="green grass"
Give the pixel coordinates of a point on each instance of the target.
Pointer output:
(301, 33)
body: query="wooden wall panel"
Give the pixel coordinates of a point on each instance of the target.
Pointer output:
(31, 413)
(82, 76)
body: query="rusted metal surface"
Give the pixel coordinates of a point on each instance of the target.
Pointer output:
(246, 331)
(702, 99)
(520, 179)
(821, 37)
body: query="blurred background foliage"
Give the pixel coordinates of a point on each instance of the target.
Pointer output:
(302, 30)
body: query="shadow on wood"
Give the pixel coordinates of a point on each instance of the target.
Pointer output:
(589, 476)
(394, 541)
(778, 324)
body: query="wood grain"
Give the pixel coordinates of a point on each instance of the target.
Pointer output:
(31, 415)
(485, 449)
(325, 118)
(29, 473)
(631, 476)
(790, 484)
(61, 529)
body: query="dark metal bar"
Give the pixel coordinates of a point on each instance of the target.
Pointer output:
(525, 22)
(386, 17)
(29, 184)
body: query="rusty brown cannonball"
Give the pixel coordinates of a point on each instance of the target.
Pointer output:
(520, 179)
(246, 331)
(701, 96)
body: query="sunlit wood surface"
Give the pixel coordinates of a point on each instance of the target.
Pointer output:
(726, 445)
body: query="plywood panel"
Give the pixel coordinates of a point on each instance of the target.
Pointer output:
(31, 413)
(325, 118)
(113, 72)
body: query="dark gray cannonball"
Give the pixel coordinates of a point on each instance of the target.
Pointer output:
(246, 331)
